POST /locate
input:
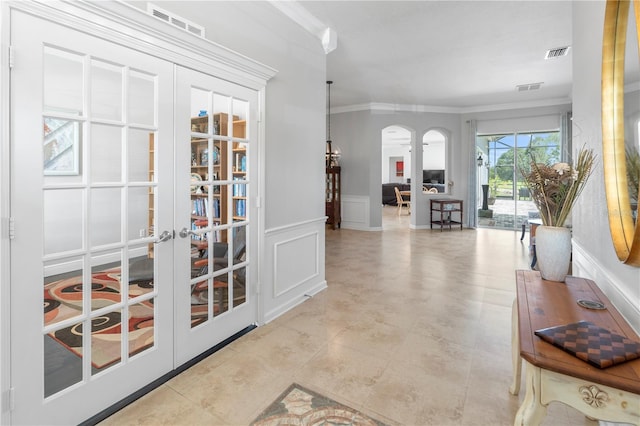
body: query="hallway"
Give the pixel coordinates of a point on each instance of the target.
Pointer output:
(414, 329)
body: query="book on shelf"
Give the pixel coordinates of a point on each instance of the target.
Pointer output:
(199, 207)
(216, 207)
(241, 206)
(239, 189)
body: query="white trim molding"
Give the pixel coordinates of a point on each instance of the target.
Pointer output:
(293, 270)
(287, 274)
(393, 108)
(585, 265)
(129, 26)
(301, 16)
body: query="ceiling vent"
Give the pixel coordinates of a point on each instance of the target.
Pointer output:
(557, 52)
(528, 87)
(175, 20)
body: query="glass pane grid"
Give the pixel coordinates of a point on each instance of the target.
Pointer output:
(93, 213)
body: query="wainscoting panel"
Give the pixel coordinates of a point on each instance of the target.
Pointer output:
(289, 269)
(293, 268)
(585, 265)
(355, 212)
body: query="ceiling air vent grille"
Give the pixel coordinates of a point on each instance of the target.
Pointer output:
(175, 20)
(557, 52)
(528, 87)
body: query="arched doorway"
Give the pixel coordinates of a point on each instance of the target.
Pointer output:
(395, 165)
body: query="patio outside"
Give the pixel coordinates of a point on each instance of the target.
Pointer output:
(504, 214)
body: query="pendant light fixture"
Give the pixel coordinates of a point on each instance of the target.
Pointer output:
(332, 154)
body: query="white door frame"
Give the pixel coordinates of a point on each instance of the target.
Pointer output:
(142, 32)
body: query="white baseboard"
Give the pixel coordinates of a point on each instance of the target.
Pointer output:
(292, 303)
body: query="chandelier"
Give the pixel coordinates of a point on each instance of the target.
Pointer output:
(332, 154)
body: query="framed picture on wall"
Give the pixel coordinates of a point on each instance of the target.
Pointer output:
(399, 168)
(61, 147)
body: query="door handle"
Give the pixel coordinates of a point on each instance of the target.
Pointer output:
(165, 236)
(184, 232)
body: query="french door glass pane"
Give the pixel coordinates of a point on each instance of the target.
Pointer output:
(106, 153)
(105, 349)
(219, 185)
(63, 81)
(62, 276)
(63, 219)
(106, 90)
(111, 168)
(106, 218)
(61, 147)
(141, 329)
(140, 212)
(105, 279)
(142, 98)
(140, 154)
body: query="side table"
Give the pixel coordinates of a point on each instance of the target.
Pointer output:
(611, 394)
(444, 208)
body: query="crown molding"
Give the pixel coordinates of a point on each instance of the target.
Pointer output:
(392, 108)
(301, 16)
(136, 29)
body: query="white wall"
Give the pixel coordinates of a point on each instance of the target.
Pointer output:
(391, 155)
(295, 101)
(358, 134)
(294, 143)
(594, 256)
(434, 155)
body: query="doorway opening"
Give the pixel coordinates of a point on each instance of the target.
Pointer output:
(396, 168)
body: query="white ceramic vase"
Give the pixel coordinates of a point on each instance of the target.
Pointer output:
(553, 252)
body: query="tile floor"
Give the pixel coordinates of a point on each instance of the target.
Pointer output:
(414, 329)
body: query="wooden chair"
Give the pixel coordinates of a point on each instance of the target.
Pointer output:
(401, 202)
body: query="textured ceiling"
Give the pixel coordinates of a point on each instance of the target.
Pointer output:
(453, 54)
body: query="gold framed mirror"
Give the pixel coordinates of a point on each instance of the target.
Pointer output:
(625, 231)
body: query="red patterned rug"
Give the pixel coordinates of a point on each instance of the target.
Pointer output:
(300, 406)
(63, 300)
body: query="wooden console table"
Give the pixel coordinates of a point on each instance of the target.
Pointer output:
(611, 394)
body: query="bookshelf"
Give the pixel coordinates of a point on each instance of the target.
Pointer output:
(239, 170)
(218, 163)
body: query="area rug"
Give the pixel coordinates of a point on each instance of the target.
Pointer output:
(300, 406)
(63, 300)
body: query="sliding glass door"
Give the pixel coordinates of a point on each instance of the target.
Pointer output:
(503, 198)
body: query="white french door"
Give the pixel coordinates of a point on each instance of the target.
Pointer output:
(216, 221)
(107, 238)
(91, 191)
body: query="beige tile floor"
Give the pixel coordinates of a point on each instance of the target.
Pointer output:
(414, 329)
